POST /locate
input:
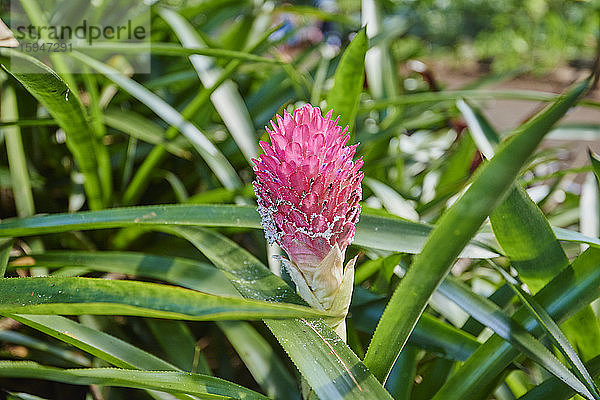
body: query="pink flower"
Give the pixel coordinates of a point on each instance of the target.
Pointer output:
(308, 189)
(307, 185)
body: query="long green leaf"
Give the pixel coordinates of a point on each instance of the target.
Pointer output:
(453, 231)
(344, 96)
(260, 359)
(99, 344)
(557, 337)
(493, 317)
(184, 272)
(575, 287)
(454, 95)
(330, 367)
(595, 160)
(205, 387)
(430, 333)
(67, 110)
(179, 345)
(17, 160)
(373, 231)
(5, 248)
(527, 239)
(140, 128)
(554, 389)
(209, 152)
(170, 49)
(226, 98)
(76, 296)
(14, 337)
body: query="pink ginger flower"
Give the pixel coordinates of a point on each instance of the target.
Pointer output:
(308, 189)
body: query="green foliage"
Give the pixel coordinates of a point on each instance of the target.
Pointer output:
(149, 241)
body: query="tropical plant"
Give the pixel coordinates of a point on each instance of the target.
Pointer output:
(133, 258)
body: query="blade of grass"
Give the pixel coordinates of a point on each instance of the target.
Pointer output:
(184, 272)
(30, 342)
(179, 345)
(460, 223)
(555, 389)
(5, 248)
(95, 111)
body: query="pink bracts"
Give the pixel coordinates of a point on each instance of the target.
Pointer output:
(308, 189)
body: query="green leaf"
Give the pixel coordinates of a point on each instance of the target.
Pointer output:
(595, 161)
(205, 387)
(141, 128)
(484, 135)
(170, 49)
(453, 231)
(5, 248)
(330, 367)
(348, 81)
(555, 389)
(557, 337)
(179, 345)
(226, 98)
(17, 160)
(372, 231)
(184, 272)
(260, 359)
(392, 200)
(76, 296)
(99, 344)
(454, 95)
(583, 331)
(209, 152)
(527, 239)
(67, 110)
(402, 377)
(14, 337)
(575, 287)
(494, 318)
